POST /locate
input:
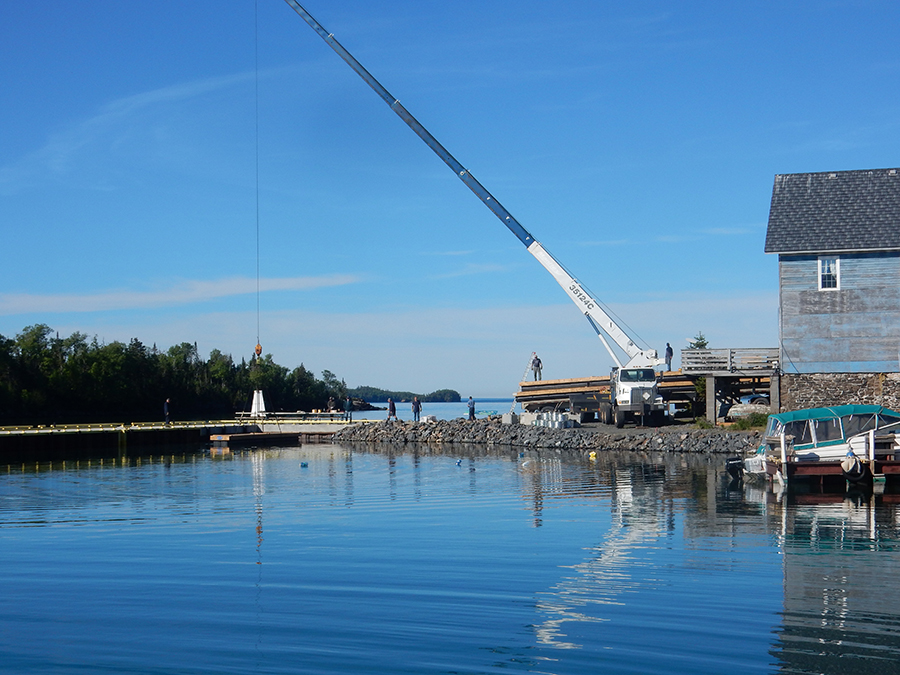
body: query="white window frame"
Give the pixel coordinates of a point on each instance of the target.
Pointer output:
(837, 272)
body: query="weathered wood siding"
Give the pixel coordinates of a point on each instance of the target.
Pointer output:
(852, 330)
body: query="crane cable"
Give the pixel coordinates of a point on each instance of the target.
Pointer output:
(258, 349)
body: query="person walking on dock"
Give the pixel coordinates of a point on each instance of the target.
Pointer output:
(348, 409)
(416, 408)
(669, 354)
(536, 366)
(392, 410)
(166, 410)
(471, 409)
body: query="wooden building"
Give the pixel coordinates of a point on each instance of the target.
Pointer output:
(837, 236)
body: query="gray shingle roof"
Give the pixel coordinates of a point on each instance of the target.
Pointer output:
(835, 211)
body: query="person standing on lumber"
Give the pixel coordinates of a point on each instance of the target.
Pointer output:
(536, 366)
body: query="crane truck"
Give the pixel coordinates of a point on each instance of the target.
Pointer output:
(633, 384)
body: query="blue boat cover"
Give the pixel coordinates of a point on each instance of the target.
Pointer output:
(832, 412)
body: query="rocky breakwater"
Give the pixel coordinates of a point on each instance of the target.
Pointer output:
(491, 431)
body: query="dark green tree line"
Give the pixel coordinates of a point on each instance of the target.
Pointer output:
(46, 379)
(374, 394)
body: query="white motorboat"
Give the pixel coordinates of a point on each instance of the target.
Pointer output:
(844, 439)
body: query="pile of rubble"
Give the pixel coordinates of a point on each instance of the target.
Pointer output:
(492, 432)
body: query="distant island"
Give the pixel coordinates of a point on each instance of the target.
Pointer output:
(376, 395)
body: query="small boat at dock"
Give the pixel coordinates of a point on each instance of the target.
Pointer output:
(856, 442)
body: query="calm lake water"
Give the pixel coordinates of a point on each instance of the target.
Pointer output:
(443, 411)
(343, 559)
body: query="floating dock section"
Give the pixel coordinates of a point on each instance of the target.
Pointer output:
(84, 441)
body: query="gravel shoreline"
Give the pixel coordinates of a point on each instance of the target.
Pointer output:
(592, 438)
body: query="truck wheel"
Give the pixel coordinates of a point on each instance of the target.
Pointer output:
(605, 413)
(620, 418)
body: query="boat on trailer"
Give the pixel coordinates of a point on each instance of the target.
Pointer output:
(853, 441)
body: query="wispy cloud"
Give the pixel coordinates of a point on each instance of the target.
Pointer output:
(449, 253)
(724, 231)
(469, 270)
(736, 230)
(607, 242)
(482, 351)
(59, 154)
(186, 292)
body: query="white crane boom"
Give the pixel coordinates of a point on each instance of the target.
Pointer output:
(600, 321)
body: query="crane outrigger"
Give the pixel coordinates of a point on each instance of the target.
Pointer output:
(633, 388)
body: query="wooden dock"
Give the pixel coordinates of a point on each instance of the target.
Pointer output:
(878, 467)
(728, 362)
(731, 373)
(268, 438)
(83, 441)
(253, 438)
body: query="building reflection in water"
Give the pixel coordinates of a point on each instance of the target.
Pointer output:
(840, 597)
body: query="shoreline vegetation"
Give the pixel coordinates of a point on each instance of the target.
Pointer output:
(48, 379)
(375, 395)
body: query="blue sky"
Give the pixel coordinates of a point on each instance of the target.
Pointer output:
(637, 141)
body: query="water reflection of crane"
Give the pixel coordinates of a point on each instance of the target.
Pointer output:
(257, 461)
(544, 474)
(608, 573)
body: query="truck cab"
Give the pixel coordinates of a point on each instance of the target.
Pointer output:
(635, 393)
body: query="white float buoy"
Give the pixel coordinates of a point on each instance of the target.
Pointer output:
(258, 407)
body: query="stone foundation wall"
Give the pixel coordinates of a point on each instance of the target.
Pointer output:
(815, 390)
